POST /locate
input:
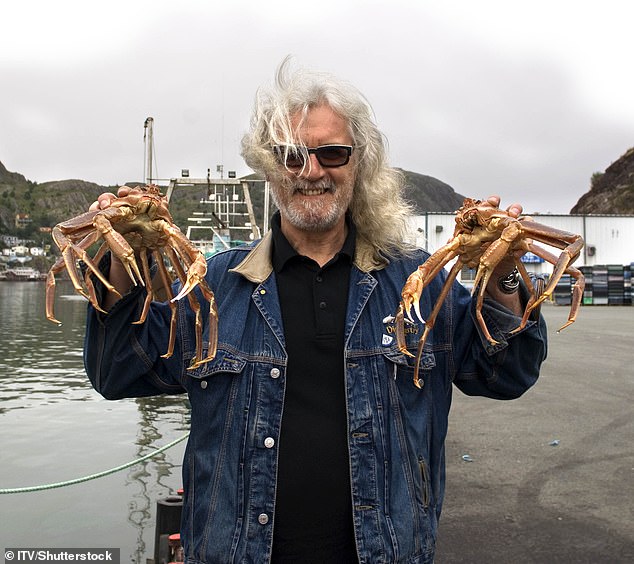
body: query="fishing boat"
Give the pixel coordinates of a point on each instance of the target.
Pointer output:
(224, 217)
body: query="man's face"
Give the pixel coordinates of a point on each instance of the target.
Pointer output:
(316, 198)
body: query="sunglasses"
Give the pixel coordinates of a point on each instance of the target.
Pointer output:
(328, 156)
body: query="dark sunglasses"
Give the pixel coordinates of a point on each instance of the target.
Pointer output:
(328, 156)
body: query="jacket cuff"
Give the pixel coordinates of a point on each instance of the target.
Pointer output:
(501, 321)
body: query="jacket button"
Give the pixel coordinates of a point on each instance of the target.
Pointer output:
(203, 384)
(263, 518)
(275, 373)
(269, 442)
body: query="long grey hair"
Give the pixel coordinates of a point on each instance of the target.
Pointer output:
(378, 207)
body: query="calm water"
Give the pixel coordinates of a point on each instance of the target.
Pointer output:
(55, 427)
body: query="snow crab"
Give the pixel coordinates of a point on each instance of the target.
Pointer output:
(484, 236)
(131, 228)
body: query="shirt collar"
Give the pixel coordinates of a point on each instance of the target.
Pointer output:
(283, 251)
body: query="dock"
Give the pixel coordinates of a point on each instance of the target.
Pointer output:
(549, 477)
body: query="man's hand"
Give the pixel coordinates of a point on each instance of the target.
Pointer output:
(105, 199)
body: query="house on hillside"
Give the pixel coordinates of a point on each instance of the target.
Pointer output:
(9, 240)
(20, 250)
(22, 220)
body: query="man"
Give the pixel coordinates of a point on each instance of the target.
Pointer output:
(309, 442)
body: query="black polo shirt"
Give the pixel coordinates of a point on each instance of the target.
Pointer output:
(313, 509)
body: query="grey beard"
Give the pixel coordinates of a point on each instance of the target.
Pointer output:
(309, 215)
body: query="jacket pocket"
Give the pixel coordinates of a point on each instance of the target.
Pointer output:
(223, 363)
(403, 365)
(424, 472)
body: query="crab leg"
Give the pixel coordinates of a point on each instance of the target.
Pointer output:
(489, 260)
(431, 320)
(571, 246)
(88, 278)
(118, 245)
(145, 267)
(193, 258)
(167, 284)
(50, 289)
(413, 289)
(92, 263)
(577, 289)
(68, 261)
(419, 279)
(194, 304)
(533, 294)
(196, 270)
(494, 254)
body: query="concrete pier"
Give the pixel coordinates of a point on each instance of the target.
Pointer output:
(549, 478)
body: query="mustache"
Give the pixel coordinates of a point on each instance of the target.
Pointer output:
(302, 184)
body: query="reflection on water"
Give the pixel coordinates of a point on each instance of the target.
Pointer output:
(149, 475)
(41, 362)
(55, 427)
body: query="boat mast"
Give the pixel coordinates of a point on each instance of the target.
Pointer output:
(148, 139)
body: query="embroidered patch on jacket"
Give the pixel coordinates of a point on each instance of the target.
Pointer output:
(410, 329)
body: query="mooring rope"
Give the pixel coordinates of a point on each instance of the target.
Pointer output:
(92, 476)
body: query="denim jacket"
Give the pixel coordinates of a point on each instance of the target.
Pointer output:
(396, 431)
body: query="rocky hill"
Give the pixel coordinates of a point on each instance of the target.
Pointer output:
(612, 191)
(51, 202)
(429, 194)
(46, 204)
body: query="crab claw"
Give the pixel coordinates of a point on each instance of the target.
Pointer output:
(411, 295)
(399, 324)
(195, 274)
(416, 304)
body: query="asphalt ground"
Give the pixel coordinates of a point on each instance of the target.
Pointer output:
(549, 477)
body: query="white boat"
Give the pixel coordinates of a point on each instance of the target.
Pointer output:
(23, 274)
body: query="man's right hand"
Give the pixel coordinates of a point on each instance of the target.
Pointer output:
(105, 199)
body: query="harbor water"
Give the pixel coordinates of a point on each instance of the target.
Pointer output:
(54, 427)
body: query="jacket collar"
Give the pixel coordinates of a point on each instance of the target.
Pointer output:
(258, 265)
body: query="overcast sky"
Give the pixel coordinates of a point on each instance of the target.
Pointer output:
(526, 100)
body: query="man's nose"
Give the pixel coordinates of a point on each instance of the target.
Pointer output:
(313, 170)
